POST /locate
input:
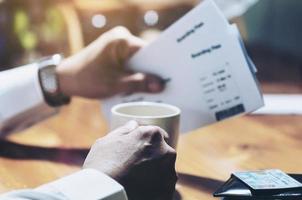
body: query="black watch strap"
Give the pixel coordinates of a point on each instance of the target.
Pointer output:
(49, 81)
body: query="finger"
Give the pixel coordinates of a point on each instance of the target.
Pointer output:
(127, 128)
(132, 43)
(152, 130)
(166, 139)
(153, 135)
(140, 82)
(169, 150)
(125, 44)
(135, 44)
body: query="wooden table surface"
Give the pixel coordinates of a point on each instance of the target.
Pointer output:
(206, 157)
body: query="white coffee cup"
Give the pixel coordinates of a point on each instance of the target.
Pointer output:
(149, 113)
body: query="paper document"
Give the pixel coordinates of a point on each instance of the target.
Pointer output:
(209, 75)
(281, 104)
(234, 8)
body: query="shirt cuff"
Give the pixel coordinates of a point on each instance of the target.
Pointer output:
(21, 99)
(88, 184)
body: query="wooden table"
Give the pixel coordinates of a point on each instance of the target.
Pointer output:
(206, 157)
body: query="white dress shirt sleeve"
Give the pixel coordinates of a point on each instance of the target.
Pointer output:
(21, 99)
(87, 184)
(21, 105)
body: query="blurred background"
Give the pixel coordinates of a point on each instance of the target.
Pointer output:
(31, 29)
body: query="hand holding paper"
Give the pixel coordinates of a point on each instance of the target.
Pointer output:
(209, 76)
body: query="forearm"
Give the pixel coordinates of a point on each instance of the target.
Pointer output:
(87, 184)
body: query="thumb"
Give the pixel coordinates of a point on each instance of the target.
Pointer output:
(140, 82)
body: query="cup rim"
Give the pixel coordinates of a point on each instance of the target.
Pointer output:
(142, 103)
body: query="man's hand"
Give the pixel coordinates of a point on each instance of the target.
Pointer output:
(99, 71)
(139, 158)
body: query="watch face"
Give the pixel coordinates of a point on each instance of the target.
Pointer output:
(48, 79)
(49, 82)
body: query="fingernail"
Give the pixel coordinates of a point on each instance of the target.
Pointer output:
(132, 124)
(154, 86)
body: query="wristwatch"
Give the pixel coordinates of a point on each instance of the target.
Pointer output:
(49, 81)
